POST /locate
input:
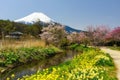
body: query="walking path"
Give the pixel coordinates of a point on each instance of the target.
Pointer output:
(116, 58)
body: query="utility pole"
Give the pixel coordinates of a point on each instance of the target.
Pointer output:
(2, 38)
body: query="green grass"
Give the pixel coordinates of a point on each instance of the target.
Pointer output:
(91, 65)
(79, 48)
(115, 48)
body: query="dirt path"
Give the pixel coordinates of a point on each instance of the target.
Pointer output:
(116, 57)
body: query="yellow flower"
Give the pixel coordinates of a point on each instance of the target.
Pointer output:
(12, 75)
(8, 78)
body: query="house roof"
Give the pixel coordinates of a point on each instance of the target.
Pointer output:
(16, 32)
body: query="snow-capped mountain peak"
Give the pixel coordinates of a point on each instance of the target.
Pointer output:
(35, 17)
(38, 16)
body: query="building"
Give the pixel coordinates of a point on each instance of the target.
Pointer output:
(15, 35)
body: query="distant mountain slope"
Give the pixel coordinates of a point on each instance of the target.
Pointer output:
(69, 29)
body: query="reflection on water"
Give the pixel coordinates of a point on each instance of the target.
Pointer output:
(31, 68)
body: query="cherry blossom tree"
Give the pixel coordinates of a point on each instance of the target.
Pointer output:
(113, 36)
(73, 37)
(96, 35)
(83, 38)
(54, 35)
(99, 34)
(116, 34)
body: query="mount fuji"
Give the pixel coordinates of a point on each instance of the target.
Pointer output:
(35, 17)
(38, 16)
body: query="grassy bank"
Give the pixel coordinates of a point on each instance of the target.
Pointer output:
(91, 65)
(14, 57)
(79, 48)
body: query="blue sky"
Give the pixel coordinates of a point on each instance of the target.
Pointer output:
(75, 13)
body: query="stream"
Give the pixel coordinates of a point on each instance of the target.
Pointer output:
(34, 66)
